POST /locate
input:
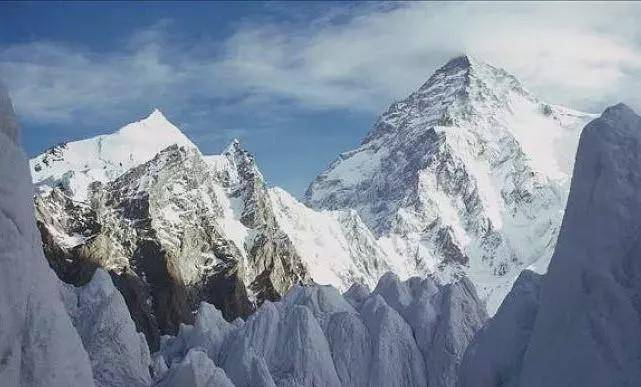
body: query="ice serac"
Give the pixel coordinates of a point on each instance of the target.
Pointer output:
(8, 121)
(196, 370)
(38, 344)
(466, 176)
(119, 355)
(444, 319)
(397, 335)
(588, 327)
(494, 358)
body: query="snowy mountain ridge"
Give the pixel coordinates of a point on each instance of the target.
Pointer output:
(76, 164)
(178, 227)
(466, 176)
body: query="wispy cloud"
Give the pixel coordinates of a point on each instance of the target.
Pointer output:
(357, 58)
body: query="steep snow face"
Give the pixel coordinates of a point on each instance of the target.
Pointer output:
(38, 343)
(119, 355)
(75, 165)
(402, 334)
(324, 239)
(588, 327)
(468, 175)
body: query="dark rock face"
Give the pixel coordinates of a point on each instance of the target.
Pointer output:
(157, 230)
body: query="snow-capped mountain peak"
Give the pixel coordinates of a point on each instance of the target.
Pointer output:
(157, 125)
(467, 174)
(73, 165)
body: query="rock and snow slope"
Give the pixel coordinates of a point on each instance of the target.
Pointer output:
(175, 227)
(38, 344)
(402, 334)
(466, 176)
(580, 325)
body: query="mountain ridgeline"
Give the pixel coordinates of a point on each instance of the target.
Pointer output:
(183, 227)
(467, 177)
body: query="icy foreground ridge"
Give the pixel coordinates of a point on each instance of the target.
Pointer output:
(410, 333)
(466, 176)
(579, 325)
(38, 344)
(175, 227)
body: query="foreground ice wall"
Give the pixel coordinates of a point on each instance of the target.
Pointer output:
(38, 344)
(588, 327)
(580, 325)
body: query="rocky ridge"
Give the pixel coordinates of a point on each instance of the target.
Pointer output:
(183, 227)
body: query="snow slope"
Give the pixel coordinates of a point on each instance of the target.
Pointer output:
(336, 246)
(38, 344)
(466, 176)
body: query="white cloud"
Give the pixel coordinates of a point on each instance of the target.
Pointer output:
(580, 54)
(563, 50)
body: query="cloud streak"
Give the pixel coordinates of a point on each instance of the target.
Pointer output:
(358, 58)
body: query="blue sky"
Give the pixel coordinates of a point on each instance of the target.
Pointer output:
(298, 83)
